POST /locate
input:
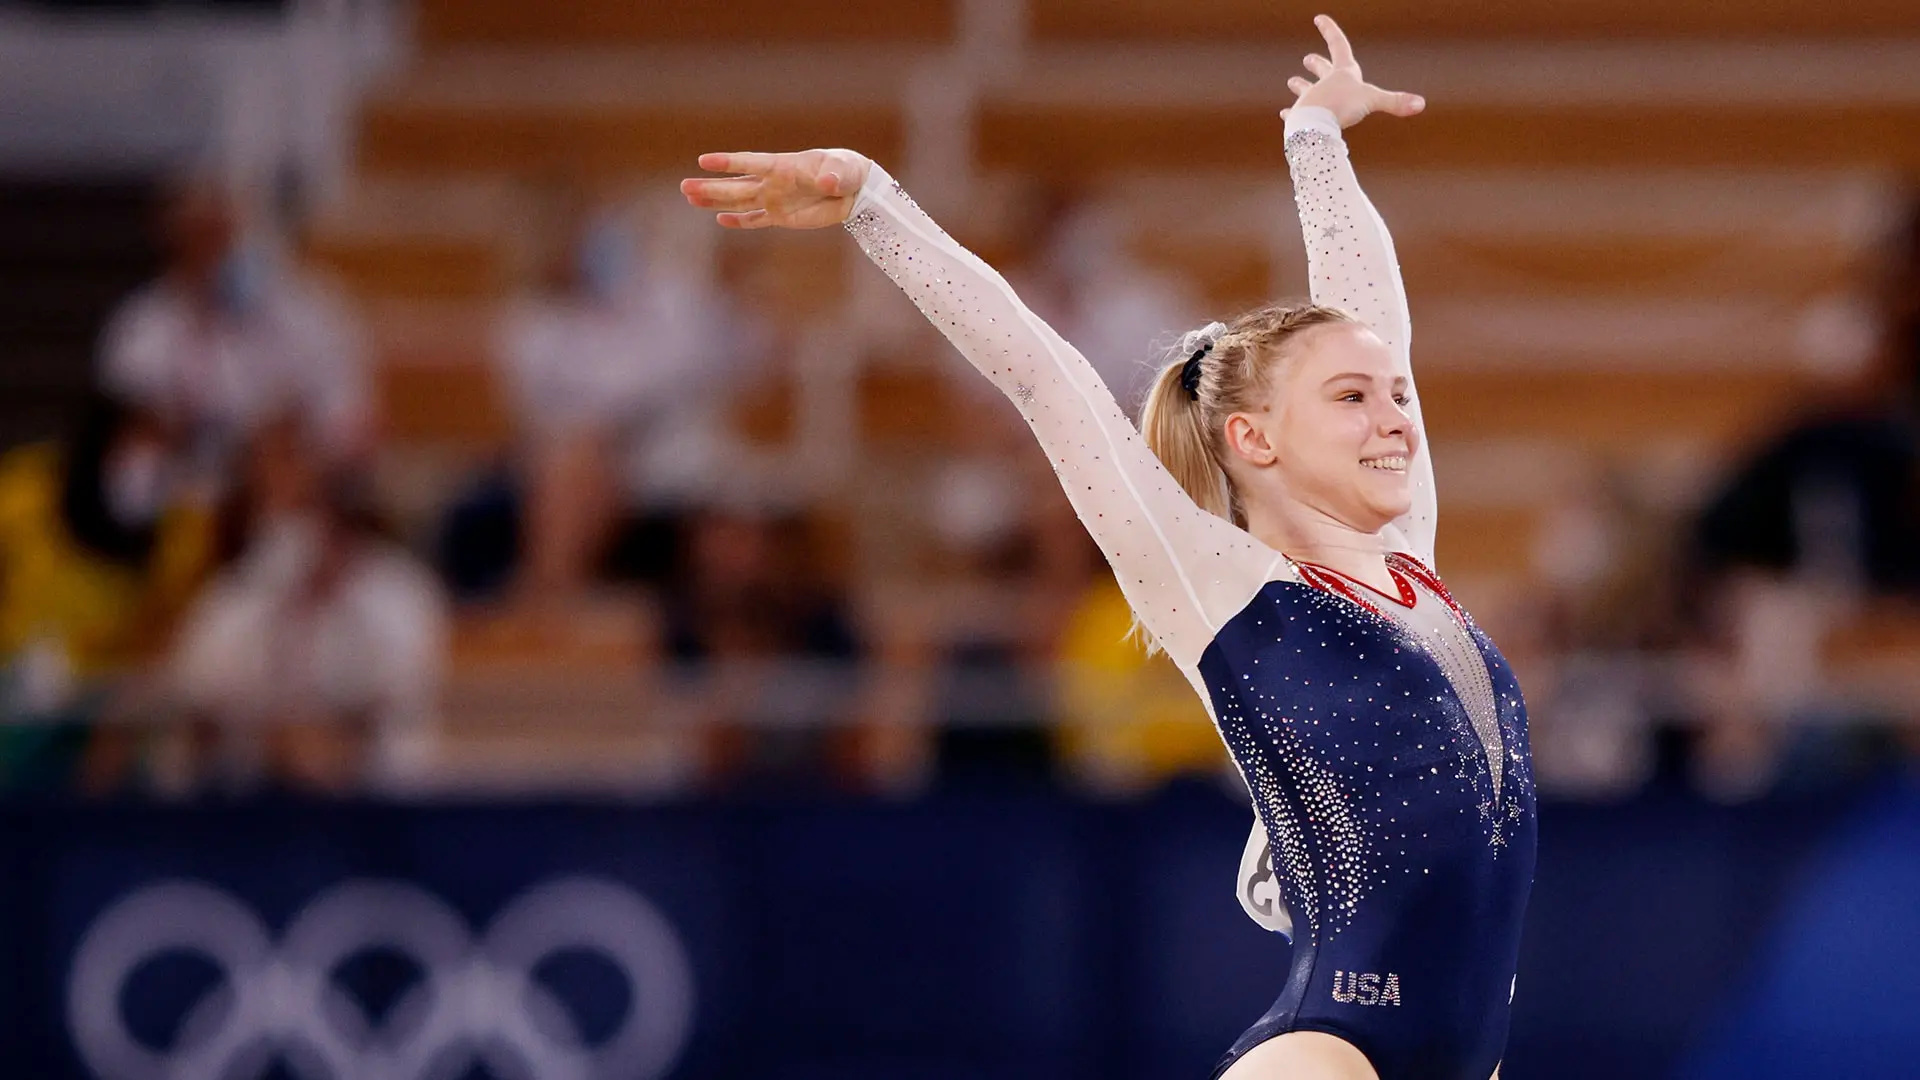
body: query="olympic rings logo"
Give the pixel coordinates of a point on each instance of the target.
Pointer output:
(1258, 888)
(476, 1001)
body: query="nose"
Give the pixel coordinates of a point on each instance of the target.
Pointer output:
(1391, 418)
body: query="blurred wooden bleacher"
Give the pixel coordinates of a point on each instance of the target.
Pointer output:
(1610, 275)
(1162, 20)
(596, 23)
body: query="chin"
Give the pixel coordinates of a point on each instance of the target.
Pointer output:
(1378, 518)
(1370, 515)
(1389, 500)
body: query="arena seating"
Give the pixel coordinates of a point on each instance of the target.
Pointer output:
(1108, 21)
(739, 22)
(1687, 253)
(599, 140)
(1098, 136)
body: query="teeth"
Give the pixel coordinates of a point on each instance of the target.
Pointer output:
(1396, 463)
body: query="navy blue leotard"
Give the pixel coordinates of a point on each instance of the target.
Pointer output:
(1405, 858)
(1383, 738)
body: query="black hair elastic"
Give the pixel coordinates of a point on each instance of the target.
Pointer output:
(1190, 372)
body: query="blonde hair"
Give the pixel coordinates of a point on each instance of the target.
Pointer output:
(1187, 432)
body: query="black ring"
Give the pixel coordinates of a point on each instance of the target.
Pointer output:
(1190, 372)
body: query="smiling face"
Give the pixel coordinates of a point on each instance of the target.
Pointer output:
(1331, 432)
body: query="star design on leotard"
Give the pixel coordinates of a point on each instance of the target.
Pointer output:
(1330, 232)
(1023, 392)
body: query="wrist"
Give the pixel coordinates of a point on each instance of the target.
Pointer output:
(873, 182)
(1311, 118)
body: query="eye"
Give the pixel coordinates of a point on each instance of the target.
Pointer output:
(1352, 395)
(1402, 399)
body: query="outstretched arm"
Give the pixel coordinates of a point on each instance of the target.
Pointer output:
(1350, 258)
(1185, 571)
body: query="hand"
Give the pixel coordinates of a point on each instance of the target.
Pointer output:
(812, 189)
(1338, 87)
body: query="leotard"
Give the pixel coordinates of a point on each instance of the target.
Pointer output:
(1383, 739)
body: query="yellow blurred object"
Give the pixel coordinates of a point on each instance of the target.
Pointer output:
(1129, 721)
(55, 594)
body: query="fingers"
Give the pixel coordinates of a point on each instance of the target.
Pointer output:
(1298, 84)
(1337, 45)
(1319, 65)
(732, 193)
(752, 219)
(1397, 103)
(752, 164)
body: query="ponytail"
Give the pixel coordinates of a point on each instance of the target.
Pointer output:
(1174, 423)
(1216, 371)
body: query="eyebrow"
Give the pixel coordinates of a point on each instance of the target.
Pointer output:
(1398, 379)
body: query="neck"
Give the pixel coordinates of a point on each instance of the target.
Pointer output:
(1306, 534)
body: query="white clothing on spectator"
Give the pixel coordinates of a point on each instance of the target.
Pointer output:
(1121, 315)
(647, 366)
(221, 371)
(374, 645)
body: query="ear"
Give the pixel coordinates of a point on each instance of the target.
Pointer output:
(1246, 440)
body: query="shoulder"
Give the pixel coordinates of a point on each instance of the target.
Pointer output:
(153, 310)
(230, 613)
(154, 300)
(401, 591)
(312, 312)
(529, 329)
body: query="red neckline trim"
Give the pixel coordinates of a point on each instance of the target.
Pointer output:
(1400, 566)
(1328, 583)
(1343, 583)
(1424, 574)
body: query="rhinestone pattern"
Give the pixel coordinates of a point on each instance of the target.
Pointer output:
(1332, 769)
(1351, 265)
(1383, 741)
(1355, 726)
(1444, 631)
(1184, 570)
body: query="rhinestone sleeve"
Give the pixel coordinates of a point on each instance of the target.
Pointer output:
(1184, 570)
(1351, 265)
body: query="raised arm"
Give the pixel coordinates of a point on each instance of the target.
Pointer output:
(1350, 258)
(1185, 571)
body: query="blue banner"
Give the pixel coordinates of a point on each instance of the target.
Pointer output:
(991, 935)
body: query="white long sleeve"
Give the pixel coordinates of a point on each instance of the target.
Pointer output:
(1351, 265)
(1184, 571)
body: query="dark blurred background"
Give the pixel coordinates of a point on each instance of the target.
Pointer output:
(463, 615)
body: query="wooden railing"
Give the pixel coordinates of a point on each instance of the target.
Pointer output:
(735, 22)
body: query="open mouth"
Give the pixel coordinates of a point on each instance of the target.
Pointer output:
(1390, 463)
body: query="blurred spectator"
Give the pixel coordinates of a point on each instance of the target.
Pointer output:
(1837, 497)
(230, 336)
(757, 627)
(97, 556)
(1005, 535)
(1821, 518)
(315, 661)
(1116, 310)
(1833, 499)
(616, 382)
(1602, 599)
(1127, 721)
